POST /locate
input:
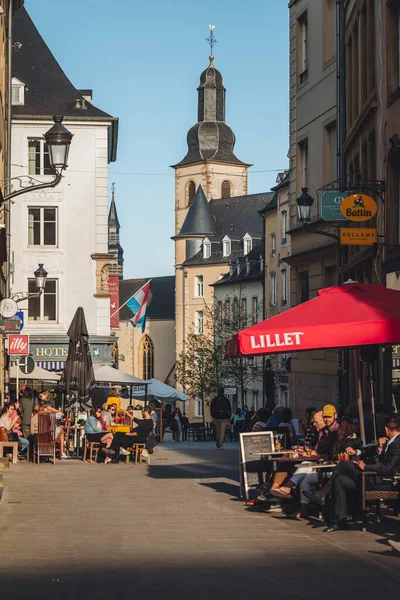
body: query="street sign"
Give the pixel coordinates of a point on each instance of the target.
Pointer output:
(10, 326)
(330, 205)
(230, 391)
(357, 236)
(358, 207)
(18, 345)
(27, 365)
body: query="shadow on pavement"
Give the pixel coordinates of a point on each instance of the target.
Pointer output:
(205, 470)
(224, 488)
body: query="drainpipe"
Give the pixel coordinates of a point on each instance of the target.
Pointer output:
(9, 116)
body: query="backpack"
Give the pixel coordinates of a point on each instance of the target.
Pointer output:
(151, 442)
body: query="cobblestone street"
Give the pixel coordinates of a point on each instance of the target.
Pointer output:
(174, 530)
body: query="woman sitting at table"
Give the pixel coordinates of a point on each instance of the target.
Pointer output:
(93, 429)
(10, 420)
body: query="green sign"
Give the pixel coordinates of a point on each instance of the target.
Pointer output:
(330, 205)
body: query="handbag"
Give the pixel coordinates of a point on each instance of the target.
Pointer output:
(3, 434)
(12, 436)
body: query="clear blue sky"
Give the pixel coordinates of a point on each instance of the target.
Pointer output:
(143, 61)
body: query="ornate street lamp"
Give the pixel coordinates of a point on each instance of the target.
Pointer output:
(304, 204)
(58, 139)
(41, 277)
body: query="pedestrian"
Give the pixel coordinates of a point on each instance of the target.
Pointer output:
(236, 419)
(221, 411)
(176, 425)
(26, 407)
(185, 427)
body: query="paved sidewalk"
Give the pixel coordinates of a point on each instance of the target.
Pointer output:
(170, 531)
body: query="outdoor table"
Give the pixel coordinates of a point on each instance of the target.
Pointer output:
(322, 467)
(121, 428)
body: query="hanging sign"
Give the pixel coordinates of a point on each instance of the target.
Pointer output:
(18, 345)
(357, 236)
(358, 207)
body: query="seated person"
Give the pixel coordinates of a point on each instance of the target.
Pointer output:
(10, 419)
(44, 407)
(108, 416)
(286, 416)
(260, 420)
(137, 436)
(93, 429)
(346, 478)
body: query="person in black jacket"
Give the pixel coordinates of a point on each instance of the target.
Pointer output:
(346, 477)
(137, 436)
(221, 412)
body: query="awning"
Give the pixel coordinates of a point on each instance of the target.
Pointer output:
(163, 391)
(37, 374)
(107, 374)
(346, 316)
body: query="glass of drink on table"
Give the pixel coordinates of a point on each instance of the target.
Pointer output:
(307, 448)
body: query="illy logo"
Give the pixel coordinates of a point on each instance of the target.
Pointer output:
(18, 345)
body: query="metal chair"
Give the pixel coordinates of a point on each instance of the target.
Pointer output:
(374, 496)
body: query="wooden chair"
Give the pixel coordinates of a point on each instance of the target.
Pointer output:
(374, 496)
(13, 446)
(92, 447)
(46, 440)
(137, 449)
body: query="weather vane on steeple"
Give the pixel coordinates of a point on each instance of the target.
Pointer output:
(113, 188)
(212, 40)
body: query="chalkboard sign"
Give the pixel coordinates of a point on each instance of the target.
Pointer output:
(252, 464)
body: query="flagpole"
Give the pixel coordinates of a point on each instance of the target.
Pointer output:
(122, 305)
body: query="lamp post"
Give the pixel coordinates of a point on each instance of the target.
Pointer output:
(305, 203)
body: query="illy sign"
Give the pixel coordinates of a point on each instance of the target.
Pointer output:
(18, 345)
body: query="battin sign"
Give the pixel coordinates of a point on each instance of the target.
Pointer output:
(18, 345)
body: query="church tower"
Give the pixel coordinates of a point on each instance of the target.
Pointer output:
(116, 267)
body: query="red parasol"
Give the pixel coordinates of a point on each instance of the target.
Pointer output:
(346, 316)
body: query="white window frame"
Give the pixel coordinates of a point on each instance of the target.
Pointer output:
(206, 248)
(273, 245)
(20, 86)
(284, 215)
(42, 144)
(247, 244)
(41, 302)
(199, 322)
(272, 297)
(42, 244)
(285, 287)
(304, 163)
(226, 246)
(199, 286)
(198, 408)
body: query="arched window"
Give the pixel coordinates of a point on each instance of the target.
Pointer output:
(226, 189)
(147, 358)
(191, 192)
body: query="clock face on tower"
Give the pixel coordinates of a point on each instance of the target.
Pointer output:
(8, 307)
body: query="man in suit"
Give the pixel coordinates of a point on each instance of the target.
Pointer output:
(347, 475)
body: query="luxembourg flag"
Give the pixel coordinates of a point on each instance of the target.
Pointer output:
(138, 305)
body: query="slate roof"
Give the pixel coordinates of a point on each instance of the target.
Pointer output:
(234, 217)
(199, 220)
(256, 271)
(113, 215)
(161, 303)
(48, 90)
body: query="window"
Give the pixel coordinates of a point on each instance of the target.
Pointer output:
(273, 245)
(255, 399)
(199, 322)
(303, 67)
(243, 310)
(147, 358)
(220, 316)
(199, 286)
(42, 226)
(18, 92)
(191, 192)
(206, 248)
(303, 147)
(304, 290)
(226, 246)
(198, 408)
(254, 310)
(38, 158)
(284, 287)
(284, 227)
(331, 276)
(43, 308)
(247, 244)
(329, 29)
(227, 308)
(272, 297)
(244, 397)
(226, 189)
(330, 152)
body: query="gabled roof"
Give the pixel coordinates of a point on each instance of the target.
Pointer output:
(48, 91)
(161, 304)
(199, 220)
(255, 271)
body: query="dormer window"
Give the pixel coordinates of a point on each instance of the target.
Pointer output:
(226, 246)
(18, 92)
(206, 248)
(247, 244)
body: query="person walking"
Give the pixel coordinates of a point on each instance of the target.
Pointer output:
(176, 426)
(26, 407)
(221, 412)
(185, 427)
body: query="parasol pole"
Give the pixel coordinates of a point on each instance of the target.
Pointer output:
(359, 394)
(370, 370)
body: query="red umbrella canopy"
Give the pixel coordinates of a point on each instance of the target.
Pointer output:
(350, 315)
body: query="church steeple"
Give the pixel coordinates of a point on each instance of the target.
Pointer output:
(211, 139)
(114, 247)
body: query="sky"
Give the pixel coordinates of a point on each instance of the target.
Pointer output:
(143, 61)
